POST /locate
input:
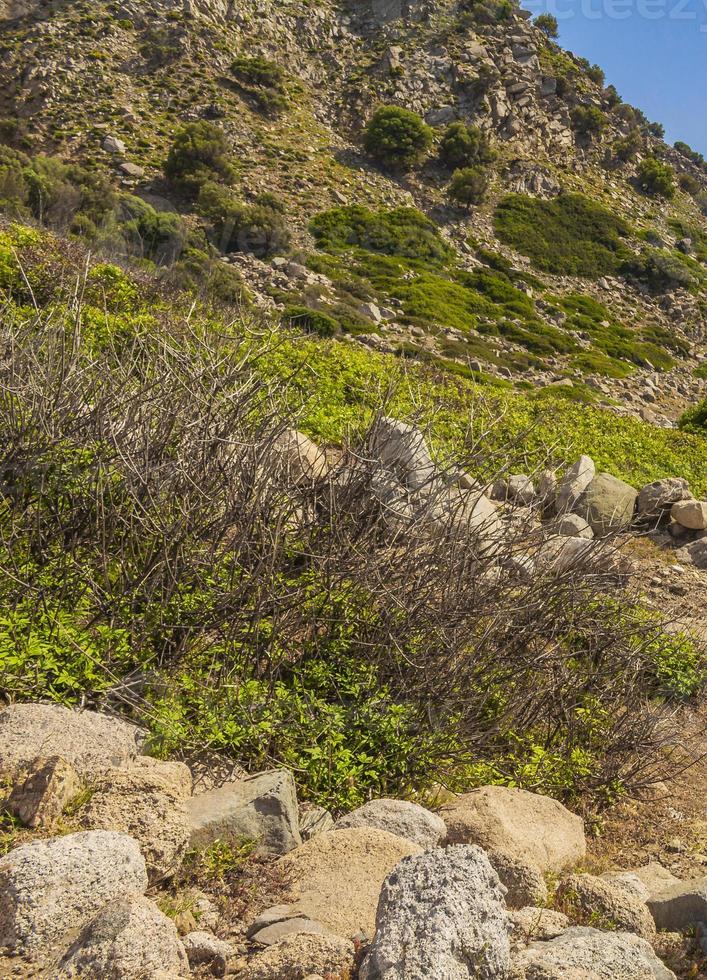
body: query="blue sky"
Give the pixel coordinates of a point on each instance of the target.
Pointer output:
(653, 51)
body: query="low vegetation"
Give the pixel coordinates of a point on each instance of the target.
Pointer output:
(396, 137)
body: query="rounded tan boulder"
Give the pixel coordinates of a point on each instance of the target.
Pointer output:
(337, 877)
(527, 826)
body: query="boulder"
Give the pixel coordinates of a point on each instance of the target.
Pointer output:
(299, 956)
(547, 491)
(203, 947)
(39, 799)
(111, 144)
(402, 448)
(582, 953)
(561, 554)
(533, 828)
(607, 504)
(336, 877)
(129, 939)
(629, 881)
(292, 925)
(610, 904)
(523, 881)
(680, 906)
(573, 484)
(53, 886)
(91, 742)
(399, 817)
(517, 488)
(314, 820)
(146, 801)
(441, 916)
(574, 526)
(694, 553)
(655, 499)
(303, 460)
(691, 514)
(655, 877)
(533, 922)
(262, 807)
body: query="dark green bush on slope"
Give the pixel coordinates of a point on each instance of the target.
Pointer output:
(403, 231)
(199, 152)
(397, 138)
(464, 146)
(568, 235)
(259, 228)
(695, 419)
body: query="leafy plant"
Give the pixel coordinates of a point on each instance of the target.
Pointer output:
(199, 153)
(468, 186)
(656, 178)
(396, 137)
(464, 146)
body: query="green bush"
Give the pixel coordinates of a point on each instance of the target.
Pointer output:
(464, 146)
(397, 138)
(403, 232)
(689, 184)
(656, 178)
(656, 129)
(695, 419)
(200, 152)
(661, 271)
(627, 147)
(258, 228)
(311, 321)
(263, 81)
(547, 24)
(468, 186)
(568, 235)
(588, 119)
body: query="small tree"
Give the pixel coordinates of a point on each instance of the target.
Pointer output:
(656, 178)
(464, 146)
(656, 129)
(468, 186)
(200, 152)
(547, 24)
(626, 148)
(397, 138)
(588, 119)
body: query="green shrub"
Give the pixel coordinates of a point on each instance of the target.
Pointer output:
(656, 129)
(200, 152)
(311, 321)
(656, 178)
(13, 186)
(628, 146)
(661, 271)
(396, 137)
(588, 119)
(568, 235)
(689, 184)
(468, 186)
(695, 419)
(260, 229)
(263, 80)
(464, 146)
(547, 24)
(403, 232)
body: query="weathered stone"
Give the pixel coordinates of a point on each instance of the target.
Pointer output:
(533, 828)
(694, 553)
(203, 947)
(655, 499)
(534, 922)
(314, 820)
(440, 916)
(262, 807)
(523, 881)
(582, 953)
(655, 877)
(274, 933)
(399, 817)
(607, 504)
(297, 957)
(611, 904)
(111, 144)
(40, 798)
(148, 802)
(629, 881)
(402, 448)
(91, 742)
(690, 513)
(304, 461)
(680, 906)
(53, 886)
(129, 939)
(574, 482)
(561, 554)
(336, 878)
(547, 491)
(574, 526)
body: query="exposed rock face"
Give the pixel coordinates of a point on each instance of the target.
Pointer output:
(440, 917)
(691, 514)
(607, 504)
(574, 482)
(523, 881)
(262, 807)
(301, 956)
(680, 906)
(129, 939)
(91, 742)
(399, 817)
(53, 886)
(38, 800)
(535, 829)
(402, 448)
(655, 499)
(655, 877)
(146, 801)
(337, 877)
(608, 901)
(582, 952)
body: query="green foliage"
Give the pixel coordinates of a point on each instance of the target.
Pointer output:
(656, 178)
(689, 184)
(693, 155)
(263, 81)
(311, 321)
(588, 119)
(258, 228)
(568, 235)
(656, 129)
(396, 137)
(661, 271)
(627, 147)
(695, 419)
(401, 232)
(464, 146)
(547, 23)
(468, 186)
(199, 153)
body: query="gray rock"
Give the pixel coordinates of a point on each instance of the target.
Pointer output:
(203, 947)
(547, 491)
(300, 956)
(655, 877)
(533, 922)
(607, 504)
(694, 553)
(402, 448)
(91, 742)
(302, 460)
(582, 952)
(39, 800)
(629, 881)
(574, 526)
(523, 881)
(262, 807)
(53, 886)
(517, 487)
(111, 144)
(129, 939)
(690, 513)
(314, 820)
(399, 817)
(655, 499)
(610, 904)
(440, 917)
(560, 553)
(680, 906)
(574, 482)
(290, 926)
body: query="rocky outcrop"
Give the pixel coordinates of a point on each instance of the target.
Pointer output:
(408, 820)
(39, 799)
(605, 902)
(440, 916)
(680, 906)
(523, 881)
(301, 957)
(607, 504)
